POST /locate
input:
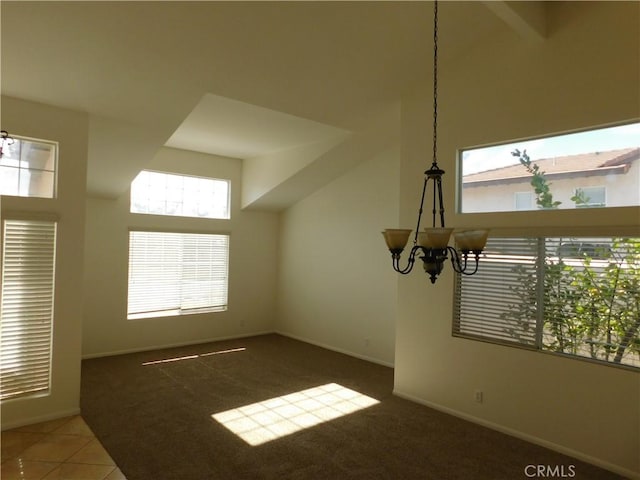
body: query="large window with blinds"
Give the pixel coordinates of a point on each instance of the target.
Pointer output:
(573, 296)
(177, 273)
(26, 318)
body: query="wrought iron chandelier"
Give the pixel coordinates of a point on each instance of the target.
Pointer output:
(5, 139)
(433, 243)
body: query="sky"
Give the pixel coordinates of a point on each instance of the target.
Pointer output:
(610, 138)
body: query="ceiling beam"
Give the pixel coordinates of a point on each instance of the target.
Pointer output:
(528, 19)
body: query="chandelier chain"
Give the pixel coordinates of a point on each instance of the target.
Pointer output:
(435, 82)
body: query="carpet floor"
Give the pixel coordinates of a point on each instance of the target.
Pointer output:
(269, 407)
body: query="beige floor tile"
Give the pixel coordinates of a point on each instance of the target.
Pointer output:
(14, 443)
(116, 475)
(62, 449)
(74, 471)
(55, 448)
(17, 469)
(44, 427)
(93, 453)
(75, 426)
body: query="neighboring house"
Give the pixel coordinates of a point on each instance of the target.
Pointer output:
(606, 179)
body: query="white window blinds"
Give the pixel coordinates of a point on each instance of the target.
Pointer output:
(26, 321)
(575, 296)
(177, 273)
(499, 302)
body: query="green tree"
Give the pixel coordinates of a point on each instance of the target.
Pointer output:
(544, 197)
(591, 305)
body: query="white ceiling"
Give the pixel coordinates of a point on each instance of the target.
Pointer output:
(235, 78)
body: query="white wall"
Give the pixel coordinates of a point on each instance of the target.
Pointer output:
(70, 129)
(336, 287)
(252, 267)
(585, 74)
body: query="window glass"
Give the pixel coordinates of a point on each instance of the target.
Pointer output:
(28, 168)
(590, 197)
(26, 321)
(574, 296)
(177, 273)
(159, 193)
(554, 169)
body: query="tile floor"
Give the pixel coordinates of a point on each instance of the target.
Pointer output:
(63, 449)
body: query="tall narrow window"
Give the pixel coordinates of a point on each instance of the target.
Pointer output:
(177, 273)
(28, 267)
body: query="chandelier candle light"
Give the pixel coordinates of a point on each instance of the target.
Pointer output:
(433, 243)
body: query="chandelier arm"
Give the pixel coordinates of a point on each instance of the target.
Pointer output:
(410, 261)
(424, 191)
(456, 263)
(441, 204)
(460, 265)
(477, 263)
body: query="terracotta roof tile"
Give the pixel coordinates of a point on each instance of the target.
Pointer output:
(569, 163)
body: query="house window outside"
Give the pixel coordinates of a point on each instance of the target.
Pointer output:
(158, 193)
(492, 175)
(574, 296)
(177, 273)
(524, 201)
(26, 321)
(28, 168)
(586, 197)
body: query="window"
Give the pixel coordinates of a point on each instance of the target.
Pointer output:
(590, 197)
(28, 265)
(177, 273)
(552, 169)
(184, 196)
(28, 168)
(524, 201)
(575, 296)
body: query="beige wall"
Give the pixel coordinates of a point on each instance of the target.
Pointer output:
(585, 74)
(70, 129)
(335, 287)
(252, 270)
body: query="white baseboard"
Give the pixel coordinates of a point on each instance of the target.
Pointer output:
(334, 349)
(526, 437)
(148, 348)
(40, 419)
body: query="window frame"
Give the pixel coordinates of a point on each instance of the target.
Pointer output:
(180, 308)
(54, 182)
(535, 319)
(167, 199)
(523, 143)
(39, 350)
(593, 204)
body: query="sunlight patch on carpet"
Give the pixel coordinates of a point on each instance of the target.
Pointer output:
(191, 357)
(280, 416)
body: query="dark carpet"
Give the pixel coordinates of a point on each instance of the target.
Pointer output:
(153, 413)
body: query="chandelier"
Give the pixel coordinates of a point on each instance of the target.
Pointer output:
(433, 242)
(5, 139)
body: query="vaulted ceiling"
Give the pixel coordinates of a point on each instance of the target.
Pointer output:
(241, 79)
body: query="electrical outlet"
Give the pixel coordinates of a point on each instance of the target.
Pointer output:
(367, 342)
(478, 396)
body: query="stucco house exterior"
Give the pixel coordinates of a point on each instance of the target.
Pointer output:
(610, 179)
